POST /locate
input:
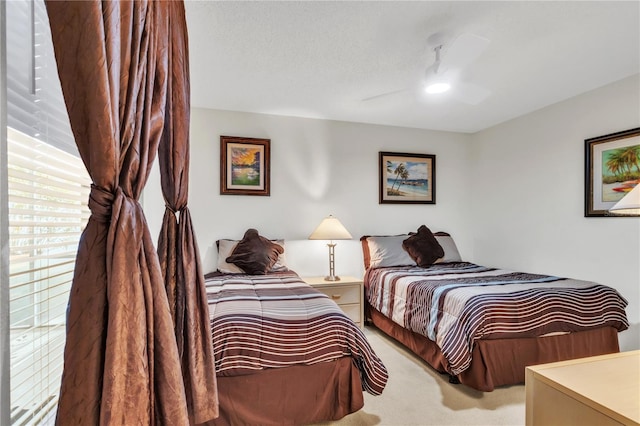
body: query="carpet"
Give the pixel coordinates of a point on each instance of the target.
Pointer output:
(418, 395)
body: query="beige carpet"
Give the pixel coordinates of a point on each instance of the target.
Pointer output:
(417, 395)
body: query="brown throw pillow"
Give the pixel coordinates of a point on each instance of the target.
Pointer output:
(423, 247)
(255, 254)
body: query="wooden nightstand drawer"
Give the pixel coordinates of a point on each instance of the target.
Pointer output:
(353, 312)
(342, 295)
(347, 293)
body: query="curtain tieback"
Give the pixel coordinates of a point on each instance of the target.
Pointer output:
(100, 202)
(173, 210)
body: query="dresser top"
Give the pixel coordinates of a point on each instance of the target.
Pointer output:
(610, 383)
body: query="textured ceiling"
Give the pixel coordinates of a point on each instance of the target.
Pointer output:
(321, 59)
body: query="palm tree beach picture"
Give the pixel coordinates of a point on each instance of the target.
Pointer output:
(620, 172)
(612, 170)
(407, 178)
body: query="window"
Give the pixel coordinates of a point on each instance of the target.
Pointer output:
(48, 192)
(44, 192)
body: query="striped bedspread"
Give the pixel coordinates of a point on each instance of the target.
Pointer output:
(277, 320)
(455, 304)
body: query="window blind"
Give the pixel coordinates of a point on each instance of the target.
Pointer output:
(48, 189)
(48, 192)
(34, 94)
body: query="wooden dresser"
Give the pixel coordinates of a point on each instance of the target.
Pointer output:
(601, 390)
(347, 293)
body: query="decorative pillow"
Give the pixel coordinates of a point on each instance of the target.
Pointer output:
(255, 254)
(423, 247)
(226, 247)
(384, 251)
(451, 253)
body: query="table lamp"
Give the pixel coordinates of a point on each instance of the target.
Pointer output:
(629, 204)
(331, 229)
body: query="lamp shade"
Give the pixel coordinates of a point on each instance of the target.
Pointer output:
(629, 204)
(330, 229)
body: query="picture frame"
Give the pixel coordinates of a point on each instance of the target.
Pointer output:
(245, 166)
(406, 178)
(610, 171)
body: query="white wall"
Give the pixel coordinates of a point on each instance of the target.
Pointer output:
(525, 179)
(528, 196)
(318, 167)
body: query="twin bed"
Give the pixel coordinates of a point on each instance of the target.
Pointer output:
(482, 326)
(286, 354)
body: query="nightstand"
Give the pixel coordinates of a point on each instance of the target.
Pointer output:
(347, 293)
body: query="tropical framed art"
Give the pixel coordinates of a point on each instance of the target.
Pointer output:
(245, 166)
(407, 178)
(612, 170)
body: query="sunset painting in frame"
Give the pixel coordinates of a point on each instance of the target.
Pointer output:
(244, 168)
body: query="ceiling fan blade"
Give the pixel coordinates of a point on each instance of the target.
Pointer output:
(470, 94)
(464, 50)
(382, 95)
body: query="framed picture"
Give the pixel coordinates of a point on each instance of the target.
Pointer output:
(244, 166)
(612, 169)
(407, 178)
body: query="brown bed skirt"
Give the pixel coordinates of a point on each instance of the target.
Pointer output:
(295, 395)
(499, 362)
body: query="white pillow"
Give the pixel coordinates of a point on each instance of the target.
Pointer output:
(281, 263)
(451, 253)
(226, 247)
(388, 251)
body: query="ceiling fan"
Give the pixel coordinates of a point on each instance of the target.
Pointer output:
(444, 74)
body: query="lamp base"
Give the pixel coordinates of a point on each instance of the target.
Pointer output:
(331, 278)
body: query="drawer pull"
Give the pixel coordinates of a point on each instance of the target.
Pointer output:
(336, 296)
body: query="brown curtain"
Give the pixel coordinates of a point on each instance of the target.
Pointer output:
(177, 246)
(121, 363)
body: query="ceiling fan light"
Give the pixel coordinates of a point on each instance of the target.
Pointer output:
(437, 87)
